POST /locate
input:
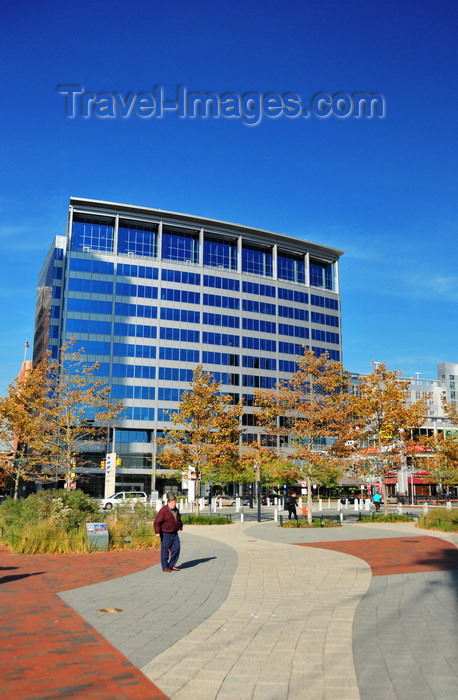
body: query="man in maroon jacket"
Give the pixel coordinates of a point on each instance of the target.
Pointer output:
(167, 524)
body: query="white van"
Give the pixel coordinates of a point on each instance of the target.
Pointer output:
(124, 497)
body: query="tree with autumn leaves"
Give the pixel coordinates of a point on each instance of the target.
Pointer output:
(50, 414)
(21, 422)
(310, 413)
(441, 460)
(205, 433)
(382, 423)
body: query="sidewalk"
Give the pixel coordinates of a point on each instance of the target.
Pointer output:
(355, 612)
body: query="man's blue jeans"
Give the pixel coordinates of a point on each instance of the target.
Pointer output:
(170, 549)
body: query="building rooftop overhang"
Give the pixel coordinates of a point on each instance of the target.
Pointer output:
(289, 243)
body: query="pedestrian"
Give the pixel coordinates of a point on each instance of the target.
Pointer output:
(377, 500)
(291, 505)
(167, 524)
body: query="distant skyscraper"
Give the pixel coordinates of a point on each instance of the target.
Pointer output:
(150, 294)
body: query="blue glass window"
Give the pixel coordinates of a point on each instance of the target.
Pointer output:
(318, 300)
(179, 334)
(287, 366)
(180, 244)
(180, 276)
(133, 330)
(98, 267)
(220, 339)
(180, 295)
(126, 309)
(321, 274)
(266, 290)
(290, 348)
(220, 358)
(259, 344)
(220, 252)
(148, 273)
(291, 267)
(220, 301)
(259, 362)
(257, 260)
(175, 374)
(221, 283)
(90, 286)
(89, 306)
(85, 325)
(258, 307)
(179, 354)
(221, 320)
(138, 239)
(89, 233)
(182, 315)
(91, 347)
(133, 435)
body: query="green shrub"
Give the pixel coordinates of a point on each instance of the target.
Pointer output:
(205, 520)
(54, 521)
(440, 519)
(381, 518)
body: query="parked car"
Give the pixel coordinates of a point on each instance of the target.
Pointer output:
(124, 497)
(225, 500)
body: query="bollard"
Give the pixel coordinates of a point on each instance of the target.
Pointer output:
(400, 508)
(275, 514)
(425, 508)
(356, 504)
(329, 504)
(341, 517)
(281, 520)
(320, 505)
(241, 516)
(449, 505)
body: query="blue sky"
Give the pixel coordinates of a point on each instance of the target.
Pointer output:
(382, 190)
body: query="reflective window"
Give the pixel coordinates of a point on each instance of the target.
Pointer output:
(258, 307)
(220, 252)
(221, 320)
(181, 315)
(98, 267)
(257, 260)
(291, 267)
(91, 233)
(179, 354)
(180, 276)
(149, 273)
(266, 290)
(254, 324)
(180, 244)
(138, 239)
(179, 334)
(90, 286)
(89, 306)
(321, 274)
(220, 339)
(125, 309)
(259, 344)
(85, 325)
(221, 301)
(221, 283)
(318, 300)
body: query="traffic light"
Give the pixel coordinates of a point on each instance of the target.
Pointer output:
(102, 464)
(118, 461)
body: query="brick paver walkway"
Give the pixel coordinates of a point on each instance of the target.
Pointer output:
(48, 650)
(398, 555)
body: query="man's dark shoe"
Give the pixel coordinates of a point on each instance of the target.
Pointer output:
(175, 568)
(166, 569)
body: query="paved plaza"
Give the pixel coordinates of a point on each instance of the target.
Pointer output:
(257, 612)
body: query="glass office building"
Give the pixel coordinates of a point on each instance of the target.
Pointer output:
(150, 294)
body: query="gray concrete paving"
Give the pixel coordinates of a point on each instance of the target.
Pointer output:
(251, 617)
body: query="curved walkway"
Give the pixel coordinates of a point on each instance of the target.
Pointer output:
(362, 611)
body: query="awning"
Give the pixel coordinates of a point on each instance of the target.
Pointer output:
(390, 480)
